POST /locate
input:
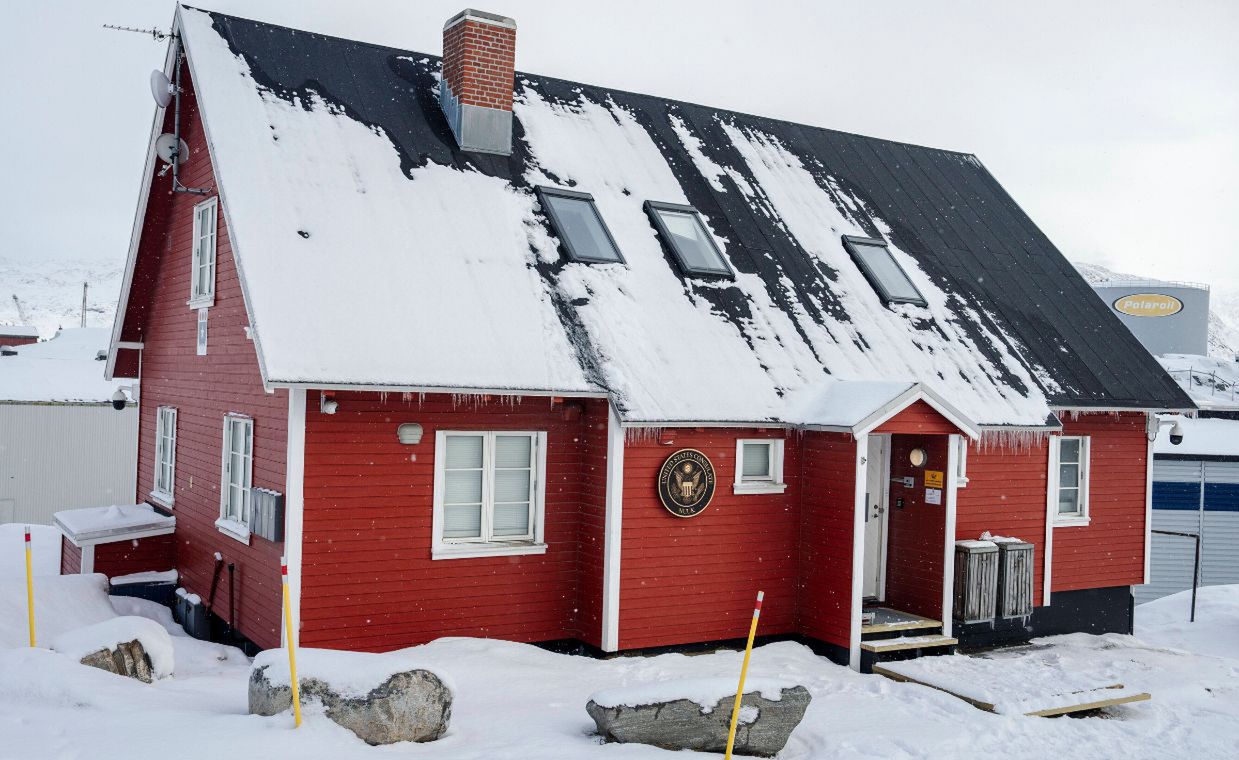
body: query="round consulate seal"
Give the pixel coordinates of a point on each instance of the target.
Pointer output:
(686, 483)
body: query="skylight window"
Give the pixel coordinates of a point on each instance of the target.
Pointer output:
(579, 226)
(882, 271)
(690, 242)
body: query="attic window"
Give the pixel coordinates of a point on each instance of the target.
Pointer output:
(579, 226)
(882, 271)
(682, 230)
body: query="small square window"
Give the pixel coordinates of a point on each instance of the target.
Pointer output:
(682, 230)
(579, 225)
(759, 466)
(882, 271)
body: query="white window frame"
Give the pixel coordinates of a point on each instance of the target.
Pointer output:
(460, 548)
(165, 453)
(204, 239)
(1074, 519)
(772, 484)
(228, 525)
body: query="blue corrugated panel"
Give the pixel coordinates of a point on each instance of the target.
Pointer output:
(1172, 495)
(1219, 497)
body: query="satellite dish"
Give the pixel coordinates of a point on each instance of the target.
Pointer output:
(166, 144)
(161, 88)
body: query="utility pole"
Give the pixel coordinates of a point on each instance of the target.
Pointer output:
(85, 285)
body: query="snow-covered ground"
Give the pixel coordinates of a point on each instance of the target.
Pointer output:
(47, 293)
(517, 701)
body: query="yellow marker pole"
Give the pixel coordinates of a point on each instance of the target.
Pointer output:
(29, 587)
(292, 650)
(744, 670)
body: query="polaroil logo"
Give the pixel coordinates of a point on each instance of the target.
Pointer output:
(1149, 305)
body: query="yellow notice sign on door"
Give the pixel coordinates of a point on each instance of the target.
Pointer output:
(933, 478)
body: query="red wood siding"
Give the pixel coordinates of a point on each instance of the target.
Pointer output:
(592, 535)
(828, 470)
(368, 580)
(917, 530)
(918, 418)
(1005, 495)
(695, 579)
(123, 557)
(1109, 551)
(204, 389)
(70, 557)
(17, 340)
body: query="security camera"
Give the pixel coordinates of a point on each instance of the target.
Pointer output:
(327, 404)
(1176, 434)
(118, 400)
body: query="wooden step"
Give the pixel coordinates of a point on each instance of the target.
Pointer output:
(916, 624)
(908, 642)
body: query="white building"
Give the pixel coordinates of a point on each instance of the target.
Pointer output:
(62, 444)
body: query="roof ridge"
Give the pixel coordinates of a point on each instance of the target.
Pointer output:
(621, 91)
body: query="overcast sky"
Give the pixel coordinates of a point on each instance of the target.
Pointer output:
(1114, 124)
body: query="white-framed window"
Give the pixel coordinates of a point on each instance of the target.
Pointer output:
(202, 274)
(759, 465)
(164, 487)
(489, 493)
(237, 473)
(1069, 466)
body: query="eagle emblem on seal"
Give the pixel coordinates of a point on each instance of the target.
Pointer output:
(686, 483)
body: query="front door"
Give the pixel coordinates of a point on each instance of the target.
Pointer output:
(876, 490)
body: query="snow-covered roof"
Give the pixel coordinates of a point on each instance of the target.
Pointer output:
(1201, 437)
(119, 522)
(374, 253)
(18, 331)
(63, 369)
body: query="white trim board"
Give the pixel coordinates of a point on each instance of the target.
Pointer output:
(612, 533)
(294, 507)
(948, 557)
(858, 551)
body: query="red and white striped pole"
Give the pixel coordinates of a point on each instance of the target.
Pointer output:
(29, 587)
(292, 649)
(744, 670)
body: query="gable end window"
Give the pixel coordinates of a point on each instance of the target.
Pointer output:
(489, 493)
(759, 466)
(882, 271)
(165, 455)
(579, 226)
(691, 244)
(236, 477)
(1069, 474)
(202, 271)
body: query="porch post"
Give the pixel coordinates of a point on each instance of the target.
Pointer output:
(858, 550)
(611, 533)
(948, 552)
(294, 507)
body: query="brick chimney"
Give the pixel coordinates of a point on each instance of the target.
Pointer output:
(479, 66)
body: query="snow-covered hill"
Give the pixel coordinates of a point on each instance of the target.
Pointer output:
(49, 292)
(1223, 308)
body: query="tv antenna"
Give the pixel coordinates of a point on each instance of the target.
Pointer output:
(156, 34)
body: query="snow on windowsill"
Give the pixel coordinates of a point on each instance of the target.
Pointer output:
(494, 549)
(1071, 522)
(162, 499)
(204, 302)
(234, 529)
(759, 487)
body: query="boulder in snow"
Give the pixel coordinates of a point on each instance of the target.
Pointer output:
(135, 647)
(377, 697)
(696, 714)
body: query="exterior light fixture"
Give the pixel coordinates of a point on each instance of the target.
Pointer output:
(916, 457)
(327, 404)
(410, 433)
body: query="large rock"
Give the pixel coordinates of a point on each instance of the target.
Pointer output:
(127, 659)
(411, 706)
(763, 728)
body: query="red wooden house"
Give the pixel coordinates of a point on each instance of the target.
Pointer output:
(495, 354)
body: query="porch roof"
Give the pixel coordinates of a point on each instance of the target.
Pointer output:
(860, 406)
